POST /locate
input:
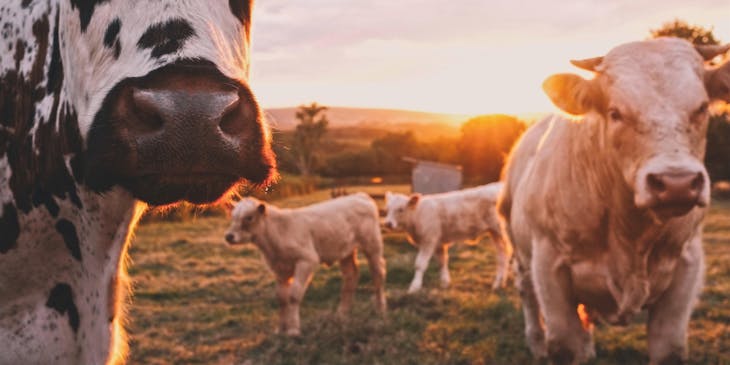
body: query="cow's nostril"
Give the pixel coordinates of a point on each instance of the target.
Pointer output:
(698, 182)
(236, 117)
(229, 238)
(655, 183)
(148, 118)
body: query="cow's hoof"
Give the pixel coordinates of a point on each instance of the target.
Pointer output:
(293, 332)
(413, 290)
(536, 344)
(445, 284)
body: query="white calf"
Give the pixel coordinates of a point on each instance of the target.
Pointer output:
(434, 221)
(295, 241)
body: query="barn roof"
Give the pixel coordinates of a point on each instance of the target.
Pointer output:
(432, 164)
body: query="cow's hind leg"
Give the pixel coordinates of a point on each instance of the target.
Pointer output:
(534, 331)
(669, 316)
(425, 251)
(350, 276)
(504, 256)
(442, 255)
(376, 263)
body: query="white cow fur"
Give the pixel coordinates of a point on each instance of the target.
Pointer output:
(295, 242)
(433, 222)
(577, 210)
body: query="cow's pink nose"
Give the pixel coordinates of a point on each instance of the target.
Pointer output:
(176, 110)
(676, 189)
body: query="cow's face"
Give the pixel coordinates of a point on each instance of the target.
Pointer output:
(399, 209)
(650, 100)
(247, 215)
(161, 93)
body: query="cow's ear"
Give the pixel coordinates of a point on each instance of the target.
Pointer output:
(572, 93)
(413, 201)
(261, 208)
(717, 82)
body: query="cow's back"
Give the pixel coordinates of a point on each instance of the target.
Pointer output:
(458, 215)
(338, 225)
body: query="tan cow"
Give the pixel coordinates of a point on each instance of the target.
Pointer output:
(606, 210)
(295, 242)
(433, 222)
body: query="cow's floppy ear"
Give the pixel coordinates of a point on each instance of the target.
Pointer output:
(572, 93)
(415, 198)
(717, 82)
(261, 208)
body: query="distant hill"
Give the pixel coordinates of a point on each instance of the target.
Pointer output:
(284, 118)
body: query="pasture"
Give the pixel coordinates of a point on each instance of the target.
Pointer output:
(198, 301)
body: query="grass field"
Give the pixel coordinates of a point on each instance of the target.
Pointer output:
(197, 301)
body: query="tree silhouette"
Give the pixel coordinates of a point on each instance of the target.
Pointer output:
(485, 142)
(678, 28)
(308, 134)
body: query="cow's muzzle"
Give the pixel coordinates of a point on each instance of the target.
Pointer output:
(673, 192)
(183, 132)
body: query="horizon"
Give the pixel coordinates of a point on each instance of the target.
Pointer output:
(481, 59)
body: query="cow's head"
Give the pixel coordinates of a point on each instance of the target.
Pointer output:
(650, 100)
(400, 209)
(161, 93)
(247, 216)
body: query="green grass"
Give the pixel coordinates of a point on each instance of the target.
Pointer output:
(197, 301)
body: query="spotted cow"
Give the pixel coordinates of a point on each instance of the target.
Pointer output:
(106, 107)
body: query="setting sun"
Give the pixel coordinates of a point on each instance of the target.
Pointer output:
(456, 57)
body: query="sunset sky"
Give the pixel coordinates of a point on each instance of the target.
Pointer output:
(465, 56)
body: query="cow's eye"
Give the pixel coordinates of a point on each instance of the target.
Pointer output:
(701, 111)
(249, 218)
(615, 115)
(399, 210)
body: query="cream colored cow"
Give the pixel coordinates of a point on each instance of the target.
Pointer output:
(294, 242)
(433, 222)
(606, 210)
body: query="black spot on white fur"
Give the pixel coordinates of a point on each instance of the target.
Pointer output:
(62, 300)
(111, 37)
(165, 38)
(241, 9)
(70, 237)
(9, 228)
(86, 10)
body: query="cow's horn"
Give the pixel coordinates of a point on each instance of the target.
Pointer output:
(710, 51)
(590, 64)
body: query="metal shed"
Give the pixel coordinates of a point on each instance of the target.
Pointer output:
(429, 177)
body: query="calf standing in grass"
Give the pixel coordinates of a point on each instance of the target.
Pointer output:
(434, 221)
(295, 241)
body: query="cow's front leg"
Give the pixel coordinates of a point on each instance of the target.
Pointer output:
(669, 316)
(442, 255)
(350, 275)
(299, 283)
(282, 295)
(425, 251)
(567, 341)
(534, 331)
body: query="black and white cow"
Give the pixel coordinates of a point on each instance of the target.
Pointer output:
(106, 105)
